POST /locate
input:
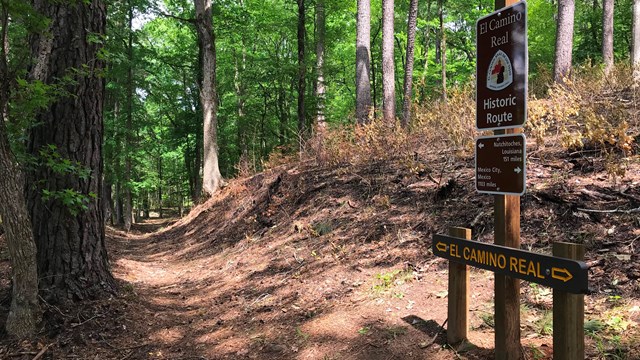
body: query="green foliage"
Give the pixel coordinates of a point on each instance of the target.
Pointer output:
(385, 282)
(74, 201)
(52, 159)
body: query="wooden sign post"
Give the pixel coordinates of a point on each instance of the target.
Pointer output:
(458, 309)
(568, 312)
(565, 272)
(507, 289)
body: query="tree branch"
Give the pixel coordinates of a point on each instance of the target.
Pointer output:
(187, 20)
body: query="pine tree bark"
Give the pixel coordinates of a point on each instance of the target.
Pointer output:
(301, 73)
(24, 313)
(607, 35)
(635, 41)
(72, 258)
(388, 66)
(363, 62)
(408, 69)
(564, 40)
(320, 84)
(211, 177)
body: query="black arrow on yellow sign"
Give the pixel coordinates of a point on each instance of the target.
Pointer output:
(561, 274)
(441, 246)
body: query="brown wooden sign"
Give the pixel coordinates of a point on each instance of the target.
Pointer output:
(502, 68)
(500, 164)
(559, 273)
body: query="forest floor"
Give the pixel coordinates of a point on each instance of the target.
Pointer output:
(334, 262)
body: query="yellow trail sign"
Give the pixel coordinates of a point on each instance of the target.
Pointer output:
(564, 274)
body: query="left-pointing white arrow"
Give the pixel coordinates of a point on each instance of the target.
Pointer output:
(481, 145)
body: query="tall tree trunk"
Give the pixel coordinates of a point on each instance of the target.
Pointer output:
(408, 69)
(72, 258)
(607, 35)
(320, 85)
(594, 23)
(564, 40)
(301, 74)
(24, 313)
(363, 62)
(240, 67)
(117, 213)
(197, 166)
(107, 202)
(443, 50)
(388, 68)
(423, 79)
(211, 177)
(635, 41)
(128, 143)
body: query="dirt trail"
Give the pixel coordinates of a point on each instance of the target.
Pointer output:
(304, 262)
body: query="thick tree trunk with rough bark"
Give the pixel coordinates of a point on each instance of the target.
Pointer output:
(211, 177)
(607, 35)
(72, 258)
(363, 62)
(24, 313)
(635, 41)
(408, 67)
(388, 68)
(320, 85)
(301, 73)
(564, 40)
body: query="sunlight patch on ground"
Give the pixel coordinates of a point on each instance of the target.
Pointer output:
(168, 335)
(145, 272)
(335, 325)
(322, 351)
(239, 345)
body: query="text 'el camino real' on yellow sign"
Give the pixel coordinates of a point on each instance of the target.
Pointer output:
(564, 274)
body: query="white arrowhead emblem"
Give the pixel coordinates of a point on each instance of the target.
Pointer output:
(481, 145)
(517, 170)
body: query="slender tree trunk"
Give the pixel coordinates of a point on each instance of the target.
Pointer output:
(24, 313)
(594, 24)
(320, 85)
(160, 179)
(211, 177)
(564, 40)
(607, 35)
(301, 73)
(423, 79)
(388, 68)
(408, 69)
(197, 166)
(635, 41)
(240, 67)
(119, 219)
(107, 203)
(128, 143)
(72, 257)
(443, 50)
(363, 62)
